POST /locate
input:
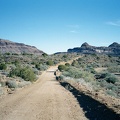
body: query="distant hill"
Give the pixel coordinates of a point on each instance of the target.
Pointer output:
(7, 46)
(113, 49)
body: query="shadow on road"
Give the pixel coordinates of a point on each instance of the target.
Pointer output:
(93, 109)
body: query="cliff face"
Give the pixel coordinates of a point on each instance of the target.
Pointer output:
(7, 46)
(113, 49)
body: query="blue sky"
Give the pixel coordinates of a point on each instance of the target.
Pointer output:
(56, 25)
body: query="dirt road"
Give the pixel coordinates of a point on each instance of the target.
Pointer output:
(44, 100)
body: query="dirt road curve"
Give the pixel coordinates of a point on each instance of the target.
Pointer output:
(44, 100)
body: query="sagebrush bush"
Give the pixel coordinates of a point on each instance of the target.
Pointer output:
(43, 67)
(11, 84)
(114, 69)
(2, 83)
(111, 79)
(77, 73)
(23, 84)
(108, 77)
(111, 93)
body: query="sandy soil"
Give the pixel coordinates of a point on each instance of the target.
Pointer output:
(44, 100)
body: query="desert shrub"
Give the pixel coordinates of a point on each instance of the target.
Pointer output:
(43, 67)
(44, 54)
(25, 73)
(7, 53)
(56, 62)
(2, 83)
(108, 77)
(67, 64)
(75, 63)
(111, 79)
(103, 83)
(11, 84)
(65, 56)
(62, 67)
(102, 75)
(23, 84)
(14, 54)
(37, 66)
(90, 69)
(77, 73)
(114, 69)
(111, 93)
(3, 66)
(14, 72)
(36, 71)
(50, 62)
(59, 77)
(113, 88)
(73, 72)
(16, 62)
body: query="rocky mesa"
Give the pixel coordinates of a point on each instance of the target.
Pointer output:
(7, 46)
(113, 49)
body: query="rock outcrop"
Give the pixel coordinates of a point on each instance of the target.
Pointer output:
(113, 49)
(7, 46)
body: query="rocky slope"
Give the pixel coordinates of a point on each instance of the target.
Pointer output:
(113, 49)
(7, 46)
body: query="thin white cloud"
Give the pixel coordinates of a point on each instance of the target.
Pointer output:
(116, 23)
(73, 26)
(74, 31)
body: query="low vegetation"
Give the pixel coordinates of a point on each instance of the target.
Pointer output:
(17, 71)
(84, 70)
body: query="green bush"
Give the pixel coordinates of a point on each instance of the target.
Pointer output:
(15, 72)
(16, 63)
(3, 66)
(37, 66)
(62, 67)
(7, 53)
(67, 64)
(25, 73)
(50, 62)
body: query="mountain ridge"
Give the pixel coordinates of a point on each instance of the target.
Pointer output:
(113, 49)
(7, 46)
